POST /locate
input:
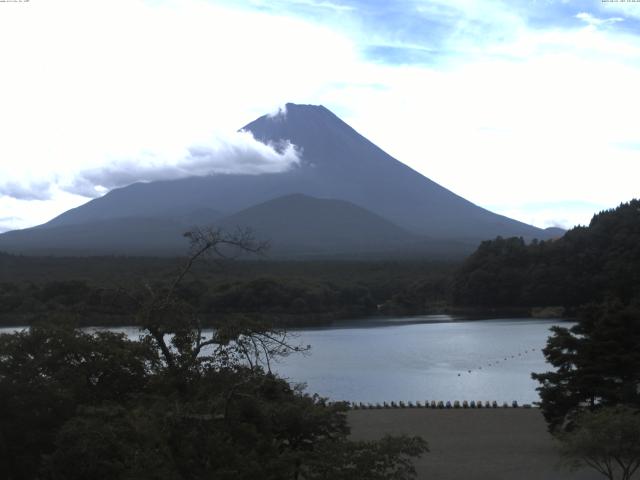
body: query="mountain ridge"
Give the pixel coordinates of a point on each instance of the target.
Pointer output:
(336, 163)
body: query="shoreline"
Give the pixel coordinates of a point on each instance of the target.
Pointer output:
(370, 321)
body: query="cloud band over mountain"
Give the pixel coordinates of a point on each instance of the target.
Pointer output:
(238, 154)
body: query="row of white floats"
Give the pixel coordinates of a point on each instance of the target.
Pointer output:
(437, 404)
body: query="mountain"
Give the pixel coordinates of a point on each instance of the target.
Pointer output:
(336, 163)
(554, 232)
(295, 225)
(113, 236)
(306, 225)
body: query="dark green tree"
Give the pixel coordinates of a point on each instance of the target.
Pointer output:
(607, 440)
(177, 404)
(597, 364)
(587, 264)
(47, 373)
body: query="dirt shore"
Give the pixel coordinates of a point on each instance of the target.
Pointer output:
(470, 444)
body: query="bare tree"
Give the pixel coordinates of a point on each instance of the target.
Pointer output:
(177, 330)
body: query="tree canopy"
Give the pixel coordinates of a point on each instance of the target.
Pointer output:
(588, 264)
(597, 363)
(178, 403)
(607, 440)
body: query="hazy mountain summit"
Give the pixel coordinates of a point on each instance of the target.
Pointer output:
(336, 163)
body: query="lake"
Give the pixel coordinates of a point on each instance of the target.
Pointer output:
(419, 358)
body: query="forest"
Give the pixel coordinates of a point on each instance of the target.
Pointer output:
(595, 263)
(177, 404)
(104, 290)
(589, 264)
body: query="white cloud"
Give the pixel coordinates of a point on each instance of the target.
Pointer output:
(627, 8)
(33, 191)
(27, 213)
(546, 116)
(594, 21)
(241, 154)
(95, 87)
(97, 93)
(336, 7)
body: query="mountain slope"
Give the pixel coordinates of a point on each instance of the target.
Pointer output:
(336, 163)
(117, 236)
(302, 224)
(294, 225)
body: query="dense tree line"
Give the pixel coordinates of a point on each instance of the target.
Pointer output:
(177, 404)
(588, 264)
(296, 293)
(271, 298)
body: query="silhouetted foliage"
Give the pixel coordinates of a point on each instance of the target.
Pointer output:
(588, 264)
(597, 364)
(607, 440)
(97, 292)
(177, 404)
(48, 372)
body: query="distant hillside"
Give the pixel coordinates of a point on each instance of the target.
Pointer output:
(120, 236)
(336, 163)
(304, 224)
(588, 264)
(294, 225)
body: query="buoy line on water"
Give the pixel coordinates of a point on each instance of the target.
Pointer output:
(441, 405)
(495, 363)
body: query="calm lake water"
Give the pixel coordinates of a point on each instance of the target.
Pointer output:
(419, 358)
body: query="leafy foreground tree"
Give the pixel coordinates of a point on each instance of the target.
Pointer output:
(177, 404)
(607, 440)
(592, 400)
(597, 364)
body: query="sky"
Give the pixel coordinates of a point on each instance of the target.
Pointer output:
(527, 108)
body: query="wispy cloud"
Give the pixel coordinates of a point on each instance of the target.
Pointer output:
(594, 21)
(333, 6)
(501, 101)
(243, 155)
(563, 214)
(29, 191)
(7, 223)
(239, 153)
(401, 55)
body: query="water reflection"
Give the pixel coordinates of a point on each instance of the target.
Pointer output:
(417, 359)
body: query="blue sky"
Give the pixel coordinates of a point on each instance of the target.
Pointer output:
(528, 108)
